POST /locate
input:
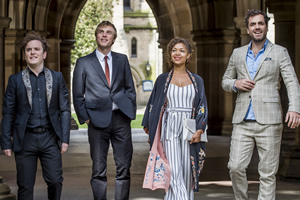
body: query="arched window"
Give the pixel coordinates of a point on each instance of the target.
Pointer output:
(133, 47)
(126, 4)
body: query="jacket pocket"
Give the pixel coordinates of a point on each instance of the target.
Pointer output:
(90, 105)
(271, 100)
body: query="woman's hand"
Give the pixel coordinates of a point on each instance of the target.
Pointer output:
(196, 136)
(146, 130)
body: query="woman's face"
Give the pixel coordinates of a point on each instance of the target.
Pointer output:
(179, 54)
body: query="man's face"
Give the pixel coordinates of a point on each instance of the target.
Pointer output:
(105, 37)
(34, 53)
(257, 28)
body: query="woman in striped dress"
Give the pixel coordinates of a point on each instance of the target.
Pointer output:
(184, 92)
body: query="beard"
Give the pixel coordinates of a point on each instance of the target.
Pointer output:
(261, 39)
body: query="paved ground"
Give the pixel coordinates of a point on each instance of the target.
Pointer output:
(214, 181)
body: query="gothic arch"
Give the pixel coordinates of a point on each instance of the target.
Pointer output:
(214, 27)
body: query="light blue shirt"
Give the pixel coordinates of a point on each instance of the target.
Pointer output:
(252, 64)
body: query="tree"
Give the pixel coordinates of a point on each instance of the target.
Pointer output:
(93, 12)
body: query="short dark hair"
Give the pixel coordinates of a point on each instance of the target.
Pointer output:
(32, 35)
(106, 23)
(254, 12)
(170, 46)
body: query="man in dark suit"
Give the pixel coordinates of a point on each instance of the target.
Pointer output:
(36, 120)
(104, 97)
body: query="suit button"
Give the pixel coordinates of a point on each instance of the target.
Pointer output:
(249, 96)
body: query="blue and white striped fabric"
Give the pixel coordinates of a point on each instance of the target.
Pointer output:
(180, 102)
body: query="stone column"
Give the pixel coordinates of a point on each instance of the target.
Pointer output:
(214, 49)
(65, 62)
(4, 23)
(163, 45)
(242, 7)
(284, 16)
(53, 55)
(13, 55)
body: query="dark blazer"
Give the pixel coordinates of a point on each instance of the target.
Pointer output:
(154, 109)
(92, 96)
(158, 97)
(17, 107)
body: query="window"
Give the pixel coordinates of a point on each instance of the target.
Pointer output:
(133, 47)
(126, 4)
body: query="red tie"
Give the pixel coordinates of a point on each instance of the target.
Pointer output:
(107, 70)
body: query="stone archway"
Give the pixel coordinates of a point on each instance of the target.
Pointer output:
(214, 27)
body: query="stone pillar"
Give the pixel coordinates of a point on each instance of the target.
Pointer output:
(13, 55)
(4, 23)
(53, 55)
(163, 45)
(242, 7)
(214, 49)
(284, 16)
(65, 62)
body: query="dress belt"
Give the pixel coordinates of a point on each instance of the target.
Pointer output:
(39, 130)
(249, 120)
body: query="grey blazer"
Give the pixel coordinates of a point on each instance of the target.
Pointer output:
(275, 65)
(92, 96)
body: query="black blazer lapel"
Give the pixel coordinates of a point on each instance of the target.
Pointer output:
(49, 85)
(98, 68)
(115, 66)
(27, 84)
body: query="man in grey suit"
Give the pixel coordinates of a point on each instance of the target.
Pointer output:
(104, 97)
(254, 72)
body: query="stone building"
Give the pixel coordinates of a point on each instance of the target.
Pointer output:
(138, 40)
(214, 27)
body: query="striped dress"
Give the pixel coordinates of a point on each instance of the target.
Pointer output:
(180, 103)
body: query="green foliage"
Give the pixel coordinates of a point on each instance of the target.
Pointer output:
(137, 122)
(93, 12)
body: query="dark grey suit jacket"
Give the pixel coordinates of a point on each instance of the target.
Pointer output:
(17, 107)
(92, 96)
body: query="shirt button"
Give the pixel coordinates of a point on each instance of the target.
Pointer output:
(40, 99)
(38, 88)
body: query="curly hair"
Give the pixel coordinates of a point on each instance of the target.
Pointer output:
(170, 46)
(254, 12)
(34, 36)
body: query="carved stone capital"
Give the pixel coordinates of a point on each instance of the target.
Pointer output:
(4, 22)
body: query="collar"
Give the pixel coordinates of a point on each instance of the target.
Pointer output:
(101, 56)
(31, 72)
(264, 47)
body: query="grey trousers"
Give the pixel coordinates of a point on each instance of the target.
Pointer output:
(267, 138)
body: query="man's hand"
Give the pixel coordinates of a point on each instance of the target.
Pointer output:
(8, 152)
(196, 136)
(293, 119)
(244, 84)
(87, 122)
(64, 148)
